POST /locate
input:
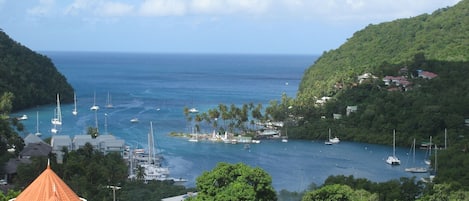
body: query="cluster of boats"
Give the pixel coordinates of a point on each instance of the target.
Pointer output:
(394, 160)
(149, 162)
(148, 165)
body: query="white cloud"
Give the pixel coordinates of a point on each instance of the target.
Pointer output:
(79, 7)
(352, 10)
(163, 8)
(318, 10)
(44, 8)
(203, 7)
(114, 9)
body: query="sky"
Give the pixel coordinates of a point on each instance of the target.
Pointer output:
(199, 26)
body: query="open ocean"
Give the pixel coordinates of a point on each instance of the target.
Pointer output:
(156, 87)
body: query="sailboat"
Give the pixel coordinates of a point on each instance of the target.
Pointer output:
(429, 151)
(37, 125)
(415, 169)
(285, 138)
(94, 107)
(74, 111)
(195, 137)
(435, 168)
(57, 119)
(334, 140)
(152, 169)
(393, 160)
(108, 102)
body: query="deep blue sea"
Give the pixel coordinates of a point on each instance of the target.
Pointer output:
(156, 87)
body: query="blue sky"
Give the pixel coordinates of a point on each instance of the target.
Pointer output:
(199, 26)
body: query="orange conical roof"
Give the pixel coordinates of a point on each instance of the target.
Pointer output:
(48, 187)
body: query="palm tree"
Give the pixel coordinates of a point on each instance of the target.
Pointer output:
(224, 113)
(198, 118)
(214, 114)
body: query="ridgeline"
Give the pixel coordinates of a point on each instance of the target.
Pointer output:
(442, 36)
(415, 105)
(408, 75)
(31, 77)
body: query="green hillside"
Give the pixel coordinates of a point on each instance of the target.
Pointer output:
(436, 43)
(31, 77)
(443, 35)
(416, 106)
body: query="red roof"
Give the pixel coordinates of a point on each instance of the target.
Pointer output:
(429, 75)
(48, 187)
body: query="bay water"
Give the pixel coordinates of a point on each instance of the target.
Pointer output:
(156, 88)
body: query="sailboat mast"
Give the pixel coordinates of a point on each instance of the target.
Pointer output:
(74, 112)
(394, 143)
(59, 112)
(413, 153)
(150, 143)
(37, 121)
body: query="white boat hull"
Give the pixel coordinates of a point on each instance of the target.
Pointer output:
(417, 170)
(392, 160)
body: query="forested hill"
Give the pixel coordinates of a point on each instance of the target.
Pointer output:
(442, 36)
(31, 77)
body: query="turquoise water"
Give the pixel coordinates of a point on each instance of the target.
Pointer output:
(156, 87)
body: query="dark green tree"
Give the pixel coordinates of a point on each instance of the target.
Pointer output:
(339, 192)
(235, 182)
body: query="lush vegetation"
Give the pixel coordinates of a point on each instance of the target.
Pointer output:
(9, 138)
(31, 77)
(427, 109)
(89, 172)
(350, 188)
(438, 43)
(9, 195)
(235, 182)
(231, 118)
(439, 36)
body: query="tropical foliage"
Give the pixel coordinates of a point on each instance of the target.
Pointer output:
(89, 173)
(235, 182)
(31, 77)
(427, 109)
(8, 195)
(338, 192)
(439, 36)
(9, 138)
(349, 188)
(223, 118)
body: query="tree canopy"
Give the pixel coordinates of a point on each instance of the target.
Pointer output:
(31, 77)
(235, 182)
(439, 36)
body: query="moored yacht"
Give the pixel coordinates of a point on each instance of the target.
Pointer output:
(393, 160)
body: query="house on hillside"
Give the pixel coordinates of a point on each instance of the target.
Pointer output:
(323, 100)
(365, 76)
(31, 138)
(350, 109)
(35, 147)
(39, 149)
(426, 74)
(397, 83)
(103, 143)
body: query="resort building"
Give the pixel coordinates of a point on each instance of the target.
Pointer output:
(426, 74)
(103, 143)
(350, 109)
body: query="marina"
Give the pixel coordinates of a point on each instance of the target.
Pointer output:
(157, 88)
